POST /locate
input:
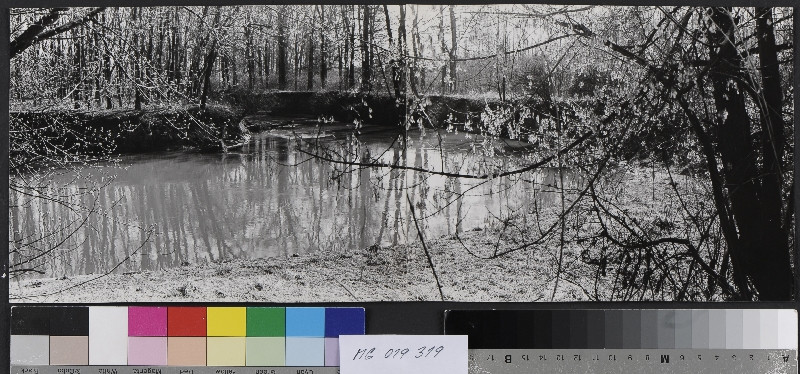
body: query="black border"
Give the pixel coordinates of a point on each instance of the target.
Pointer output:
(5, 309)
(382, 317)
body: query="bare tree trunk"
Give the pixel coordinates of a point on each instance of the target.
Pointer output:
(402, 42)
(172, 59)
(296, 66)
(351, 69)
(310, 61)
(159, 49)
(388, 25)
(177, 56)
(85, 85)
(453, 49)
(775, 267)
(62, 86)
(234, 69)
(120, 91)
(106, 71)
(399, 72)
(443, 46)
(97, 58)
(30, 35)
(249, 54)
(394, 62)
(36, 32)
(341, 66)
(259, 57)
(417, 74)
(225, 72)
(149, 71)
(267, 63)
(77, 77)
(366, 71)
(137, 71)
(282, 44)
(755, 255)
(208, 65)
(346, 57)
(194, 82)
(323, 49)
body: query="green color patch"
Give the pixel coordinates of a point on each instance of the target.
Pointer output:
(266, 321)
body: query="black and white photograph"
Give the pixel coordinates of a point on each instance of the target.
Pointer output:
(354, 153)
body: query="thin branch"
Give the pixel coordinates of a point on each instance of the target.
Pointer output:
(692, 250)
(28, 37)
(19, 44)
(425, 247)
(145, 241)
(530, 167)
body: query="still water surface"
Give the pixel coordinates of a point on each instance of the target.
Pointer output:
(168, 209)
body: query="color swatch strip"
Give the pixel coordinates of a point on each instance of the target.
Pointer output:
(180, 336)
(626, 329)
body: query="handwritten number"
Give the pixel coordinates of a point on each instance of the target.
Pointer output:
(425, 351)
(392, 353)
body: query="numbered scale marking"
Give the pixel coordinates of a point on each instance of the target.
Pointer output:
(666, 361)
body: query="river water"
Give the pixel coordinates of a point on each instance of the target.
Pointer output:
(269, 198)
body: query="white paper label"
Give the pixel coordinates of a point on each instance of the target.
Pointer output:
(417, 354)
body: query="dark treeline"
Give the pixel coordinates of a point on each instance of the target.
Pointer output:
(129, 57)
(125, 57)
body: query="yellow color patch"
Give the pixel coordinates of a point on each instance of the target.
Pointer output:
(223, 321)
(225, 351)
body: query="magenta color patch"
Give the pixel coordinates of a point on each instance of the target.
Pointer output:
(147, 350)
(147, 321)
(331, 351)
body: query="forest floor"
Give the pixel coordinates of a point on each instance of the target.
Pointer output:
(399, 273)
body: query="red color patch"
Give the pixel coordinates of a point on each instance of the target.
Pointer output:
(186, 321)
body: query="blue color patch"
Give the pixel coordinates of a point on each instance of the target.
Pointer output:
(305, 322)
(344, 321)
(305, 351)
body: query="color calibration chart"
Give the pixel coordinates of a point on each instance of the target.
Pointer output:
(181, 340)
(628, 341)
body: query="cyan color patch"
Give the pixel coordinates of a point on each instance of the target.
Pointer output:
(305, 322)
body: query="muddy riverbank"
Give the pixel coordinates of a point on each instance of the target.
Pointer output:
(399, 273)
